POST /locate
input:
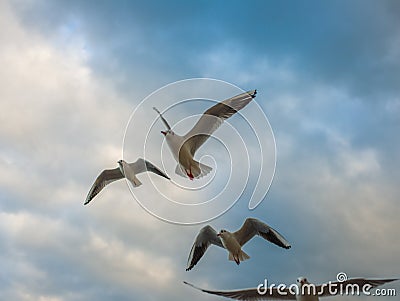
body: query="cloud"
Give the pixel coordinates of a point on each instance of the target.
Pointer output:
(71, 76)
(350, 47)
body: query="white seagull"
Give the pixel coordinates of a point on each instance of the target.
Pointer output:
(305, 291)
(124, 170)
(184, 147)
(233, 242)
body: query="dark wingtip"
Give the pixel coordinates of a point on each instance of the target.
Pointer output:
(164, 175)
(254, 94)
(392, 279)
(195, 287)
(187, 283)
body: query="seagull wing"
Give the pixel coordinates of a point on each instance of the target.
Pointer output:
(252, 293)
(142, 165)
(162, 118)
(253, 226)
(204, 239)
(107, 176)
(156, 170)
(214, 117)
(349, 286)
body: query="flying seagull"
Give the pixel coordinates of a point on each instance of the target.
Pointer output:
(184, 147)
(304, 292)
(233, 242)
(124, 170)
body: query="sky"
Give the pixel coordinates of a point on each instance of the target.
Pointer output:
(73, 72)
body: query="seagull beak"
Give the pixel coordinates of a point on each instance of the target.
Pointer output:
(164, 133)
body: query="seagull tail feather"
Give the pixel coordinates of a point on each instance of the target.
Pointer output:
(243, 256)
(135, 181)
(199, 170)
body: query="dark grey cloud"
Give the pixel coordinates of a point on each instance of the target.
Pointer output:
(353, 46)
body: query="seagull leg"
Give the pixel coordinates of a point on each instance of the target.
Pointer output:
(189, 174)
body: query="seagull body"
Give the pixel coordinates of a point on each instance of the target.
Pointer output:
(183, 148)
(284, 293)
(128, 171)
(230, 242)
(124, 170)
(233, 241)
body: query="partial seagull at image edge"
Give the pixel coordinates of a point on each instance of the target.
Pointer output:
(273, 293)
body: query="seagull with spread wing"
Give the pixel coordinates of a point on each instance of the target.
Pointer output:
(305, 292)
(233, 241)
(184, 147)
(124, 170)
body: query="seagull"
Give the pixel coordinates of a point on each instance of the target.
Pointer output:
(305, 291)
(233, 242)
(184, 147)
(124, 170)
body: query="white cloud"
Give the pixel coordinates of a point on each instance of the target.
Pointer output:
(128, 266)
(58, 119)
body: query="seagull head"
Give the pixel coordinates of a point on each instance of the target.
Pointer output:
(301, 281)
(167, 132)
(121, 166)
(222, 233)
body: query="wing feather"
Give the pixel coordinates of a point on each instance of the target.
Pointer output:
(156, 170)
(214, 117)
(106, 177)
(253, 226)
(204, 239)
(141, 165)
(162, 118)
(334, 288)
(251, 294)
